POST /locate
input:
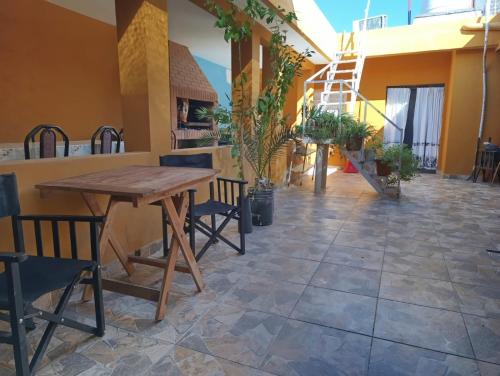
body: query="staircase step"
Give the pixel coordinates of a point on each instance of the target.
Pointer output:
(377, 182)
(337, 92)
(349, 61)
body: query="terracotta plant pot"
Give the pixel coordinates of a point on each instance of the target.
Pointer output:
(354, 143)
(382, 168)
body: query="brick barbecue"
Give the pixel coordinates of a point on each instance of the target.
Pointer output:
(188, 86)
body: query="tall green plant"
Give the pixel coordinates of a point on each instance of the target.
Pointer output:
(261, 130)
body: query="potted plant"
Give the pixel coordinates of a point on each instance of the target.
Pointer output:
(320, 127)
(355, 133)
(260, 130)
(390, 159)
(373, 147)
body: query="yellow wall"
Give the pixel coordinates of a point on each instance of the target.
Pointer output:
(439, 53)
(137, 227)
(465, 110)
(424, 37)
(401, 70)
(56, 66)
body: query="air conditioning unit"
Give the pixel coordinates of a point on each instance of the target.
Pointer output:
(377, 22)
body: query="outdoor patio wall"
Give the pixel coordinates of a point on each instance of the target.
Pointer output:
(402, 70)
(137, 227)
(464, 111)
(438, 53)
(56, 66)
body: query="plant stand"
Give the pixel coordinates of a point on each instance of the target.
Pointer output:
(322, 153)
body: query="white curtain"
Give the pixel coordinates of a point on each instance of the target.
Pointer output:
(396, 110)
(427, 125)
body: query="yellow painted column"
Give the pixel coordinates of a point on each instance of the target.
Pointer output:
(246, 59)
(142, 28)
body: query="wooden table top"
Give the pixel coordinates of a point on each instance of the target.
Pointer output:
(136, 183)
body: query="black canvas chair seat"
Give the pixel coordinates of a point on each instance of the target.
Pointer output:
(229, 203)
(41, 275)
(212, 207)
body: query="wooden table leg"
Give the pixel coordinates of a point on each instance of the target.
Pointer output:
(106, 235)
(177, 214)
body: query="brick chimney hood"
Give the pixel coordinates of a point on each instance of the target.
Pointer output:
(186, 77)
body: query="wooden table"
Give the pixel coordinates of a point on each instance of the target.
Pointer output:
(141, 185)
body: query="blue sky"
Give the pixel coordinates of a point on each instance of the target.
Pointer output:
(341, 13)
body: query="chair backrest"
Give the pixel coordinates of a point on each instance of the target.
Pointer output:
(203, 160)
(48, 141)
(106, 135)
(9, 198)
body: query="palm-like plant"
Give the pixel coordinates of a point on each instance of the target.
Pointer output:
(261, 145)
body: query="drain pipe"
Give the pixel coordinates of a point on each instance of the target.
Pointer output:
(484, 102)
(485, 66)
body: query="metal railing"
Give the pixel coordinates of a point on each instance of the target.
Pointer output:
(345, 86)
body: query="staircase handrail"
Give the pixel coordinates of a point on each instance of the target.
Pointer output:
(367, 103)
(321, 71)
(361, 96)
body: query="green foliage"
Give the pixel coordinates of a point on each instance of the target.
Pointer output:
(392, 155)
(260, 131)
(328, 127)
(226, 132)
(320, 126)
(353, 129)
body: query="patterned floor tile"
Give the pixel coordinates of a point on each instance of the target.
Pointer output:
(420, 291)
(466, 272)
(235, 334)
(186, 362)
(489, 369)
(415, 266)
(479, 300)
(389, 358)
(361, 240)
(406, 246)
(265, 295)
(292, 248)
(485, 337)
(303, 349)
(438, 225)
(429, 328)
(345, 278)
(355, 257)
(336, 309)
(281, 267)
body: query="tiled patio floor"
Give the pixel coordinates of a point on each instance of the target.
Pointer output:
(342, 284)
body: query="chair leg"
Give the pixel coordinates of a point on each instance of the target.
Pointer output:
(213, 223)
(17, 320)
(51, 327)
(242, 224)
(98, 302)
(192, 222)
(241, 228)
(164, 224)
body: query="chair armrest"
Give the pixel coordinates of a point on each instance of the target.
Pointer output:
(10, 257)
(236, 181)
(62, 218)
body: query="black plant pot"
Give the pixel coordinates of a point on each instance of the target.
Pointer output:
(262, 206)
(247, 212)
